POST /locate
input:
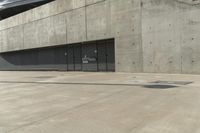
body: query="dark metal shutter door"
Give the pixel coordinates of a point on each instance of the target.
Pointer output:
(46, 58)
(12, 61)
(34, 57)
(29, 59)
(102, 61)
(25, 60)
(70, 55)
(77, 57)
(61, 58)
(17, 60)
(89, 55)
(84, 58)
(110, 55)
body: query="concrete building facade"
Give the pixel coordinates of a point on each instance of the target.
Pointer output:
(159, 36)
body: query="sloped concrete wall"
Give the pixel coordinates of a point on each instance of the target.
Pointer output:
(171, 36)
(71, 21)
(150, 35)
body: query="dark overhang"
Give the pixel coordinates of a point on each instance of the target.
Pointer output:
(10, 8)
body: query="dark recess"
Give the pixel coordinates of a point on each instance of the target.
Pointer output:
(87, 56)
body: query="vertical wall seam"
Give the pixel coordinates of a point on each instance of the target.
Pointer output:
(141, 38)
(181, 51)
(86, 26)
(23, 45)
(66, 17)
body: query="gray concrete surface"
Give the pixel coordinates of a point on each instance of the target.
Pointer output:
(59, 102)
(74, 21)
(158, 36)
(170, 36)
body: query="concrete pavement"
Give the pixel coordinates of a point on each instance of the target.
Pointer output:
(77, 102)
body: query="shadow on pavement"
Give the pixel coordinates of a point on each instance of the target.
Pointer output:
(151, 86)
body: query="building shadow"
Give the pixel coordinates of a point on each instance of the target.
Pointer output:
(151, 86)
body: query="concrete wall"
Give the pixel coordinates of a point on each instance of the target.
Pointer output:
(71, 21)
(171, 36)
(150, 35)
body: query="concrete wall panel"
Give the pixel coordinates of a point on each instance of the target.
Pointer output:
(43, 27)
(15, 38)
(4, 41)
(78, 3)
(170, 37)
(98, 23)
(161, 37)
(190, 38)
(76, 26)
(89, 2)
(126, 28)
(128, 55)
(1, 40)
(30, 35)
(122, 17)
(58, 30)
(41, 12)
